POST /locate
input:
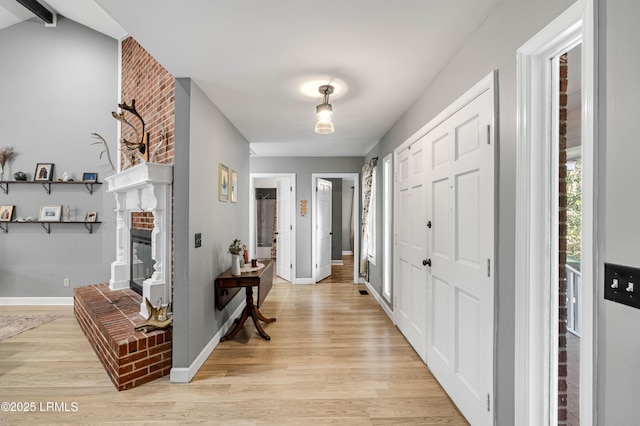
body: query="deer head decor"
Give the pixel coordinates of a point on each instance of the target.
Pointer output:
(141, 143)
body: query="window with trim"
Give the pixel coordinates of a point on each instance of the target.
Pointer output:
(371, 221)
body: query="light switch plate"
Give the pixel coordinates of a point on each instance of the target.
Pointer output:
(622, 284)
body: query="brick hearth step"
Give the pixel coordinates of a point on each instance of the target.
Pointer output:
(108, 318)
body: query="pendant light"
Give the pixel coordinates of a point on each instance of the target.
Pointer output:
(324, 111)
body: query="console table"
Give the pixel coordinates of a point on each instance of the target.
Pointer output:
(227, 286)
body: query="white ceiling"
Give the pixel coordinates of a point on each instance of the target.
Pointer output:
(253, 58)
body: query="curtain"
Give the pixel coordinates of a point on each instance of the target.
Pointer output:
(367, 174)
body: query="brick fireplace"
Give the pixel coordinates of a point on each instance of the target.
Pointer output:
(144, 187)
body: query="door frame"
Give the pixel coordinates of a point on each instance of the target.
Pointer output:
(252, 214)
(536, 308)
(355, 178)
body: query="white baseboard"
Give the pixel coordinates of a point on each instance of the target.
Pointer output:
(36, 301)
(347, 253)
(381, 302)
(337, 262)
(185, 374)
(304, 281)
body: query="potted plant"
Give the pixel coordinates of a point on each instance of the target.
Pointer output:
(236, 250)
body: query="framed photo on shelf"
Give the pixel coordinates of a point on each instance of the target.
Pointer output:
(50, 213)
(91, 217)
(89, 177)
(44, 172)
(234, 186)
(6, 213)
(223, 182)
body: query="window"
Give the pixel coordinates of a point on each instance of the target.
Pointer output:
(387, 241)
(371, 221)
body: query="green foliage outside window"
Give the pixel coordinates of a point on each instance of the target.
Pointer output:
(574, 210)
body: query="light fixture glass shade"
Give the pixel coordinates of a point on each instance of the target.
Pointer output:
(324, 111)
(324, 127)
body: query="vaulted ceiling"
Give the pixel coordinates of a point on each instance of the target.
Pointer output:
(261, 61)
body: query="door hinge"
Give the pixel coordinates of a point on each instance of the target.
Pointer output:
(488, 134)
(291, 189)
(489, 268)
(291, 227)
(488, 402)
(316, 189)
(291, 265)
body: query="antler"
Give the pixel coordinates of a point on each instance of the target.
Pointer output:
(139, 143)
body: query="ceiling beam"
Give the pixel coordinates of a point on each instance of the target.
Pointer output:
(38, 9)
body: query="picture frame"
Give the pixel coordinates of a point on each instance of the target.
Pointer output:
(6, 213)
(50, 213)
(234, 186)
(44, 172)
(91, 217)
(223, 182)
(89, 177)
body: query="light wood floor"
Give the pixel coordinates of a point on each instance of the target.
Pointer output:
(334, 358)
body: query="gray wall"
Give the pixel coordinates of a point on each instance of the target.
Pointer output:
(618, 387)
(204, 138)
(347, 211)
(303, 167)
(336, 218)
(57, 86)
(492, 47)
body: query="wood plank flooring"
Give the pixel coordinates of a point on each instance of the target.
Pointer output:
(334, 358)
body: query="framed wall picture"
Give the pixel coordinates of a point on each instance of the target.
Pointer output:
(44, 172)
(234, 186)
(91, 217)
(223, 182)
(89, 177)
(6, 213)
(50, 213)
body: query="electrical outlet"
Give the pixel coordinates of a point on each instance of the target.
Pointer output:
(66, 282)
(198, 239)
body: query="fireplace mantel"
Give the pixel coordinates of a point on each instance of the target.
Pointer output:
(144, 187)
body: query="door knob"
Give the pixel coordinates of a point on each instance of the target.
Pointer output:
(426, 262)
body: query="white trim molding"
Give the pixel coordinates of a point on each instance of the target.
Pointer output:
(536, 330)
(186, 374)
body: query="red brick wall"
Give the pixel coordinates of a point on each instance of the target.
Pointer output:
(562, 245)
(142, 221)
(152, 87)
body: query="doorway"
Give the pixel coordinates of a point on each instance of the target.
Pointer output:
(537, 213)
(348, 243)
(272, 221)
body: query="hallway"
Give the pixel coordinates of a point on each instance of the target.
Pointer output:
(334, 358)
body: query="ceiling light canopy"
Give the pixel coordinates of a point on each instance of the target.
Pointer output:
(324, 111)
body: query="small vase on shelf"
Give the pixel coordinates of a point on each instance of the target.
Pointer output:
(235, 264)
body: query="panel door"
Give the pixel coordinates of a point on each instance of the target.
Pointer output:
(461, 249)
(323, 229)
(284, 226)
(411, 247)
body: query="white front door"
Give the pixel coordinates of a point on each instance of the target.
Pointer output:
(460, 173)
(411, 246)
(323, 229)
(284, 229)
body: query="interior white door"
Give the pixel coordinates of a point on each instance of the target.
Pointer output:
(323, 229)
(461, 243)
(411, 246)
(284, 229)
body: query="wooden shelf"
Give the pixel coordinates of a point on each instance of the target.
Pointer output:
(4, 226)
(4, 184)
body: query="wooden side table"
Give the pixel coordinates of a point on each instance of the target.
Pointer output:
(227, 286)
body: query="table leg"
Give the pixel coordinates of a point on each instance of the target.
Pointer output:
(250, 310)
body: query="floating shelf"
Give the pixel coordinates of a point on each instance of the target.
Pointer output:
(4, 184)
(4, 226)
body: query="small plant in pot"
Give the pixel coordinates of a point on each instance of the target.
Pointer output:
(236, 249)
